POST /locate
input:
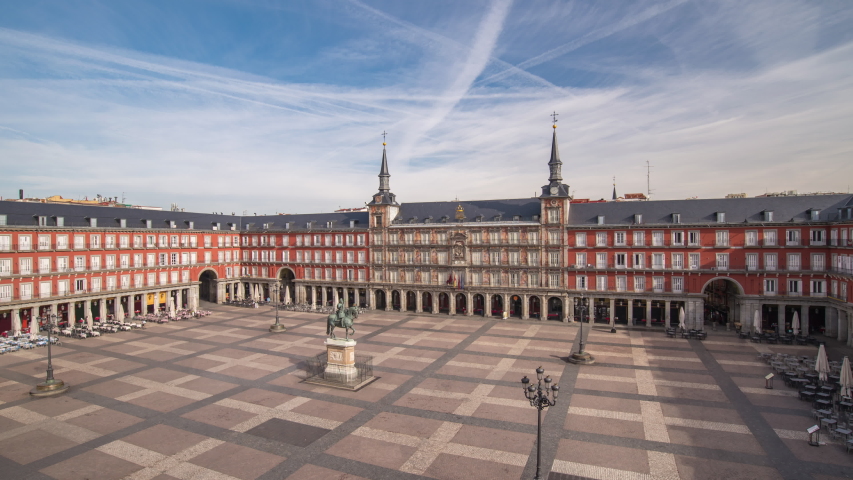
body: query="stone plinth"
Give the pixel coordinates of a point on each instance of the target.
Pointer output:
(341, 359)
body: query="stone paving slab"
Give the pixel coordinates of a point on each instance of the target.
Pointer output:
(222, 398)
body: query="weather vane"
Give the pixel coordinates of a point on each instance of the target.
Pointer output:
(554, 116)
(383, 137)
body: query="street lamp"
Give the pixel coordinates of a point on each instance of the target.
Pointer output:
(276, 327)
(51, 386)
(580, 357)
(539, 398)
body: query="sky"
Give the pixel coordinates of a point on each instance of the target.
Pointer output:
(266, 106)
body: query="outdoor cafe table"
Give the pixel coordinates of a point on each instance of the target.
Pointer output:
(823, 403)
(845, 405)
(800, 382)
(845, 432)
(825, 413)
(811, 376)
(828, 422)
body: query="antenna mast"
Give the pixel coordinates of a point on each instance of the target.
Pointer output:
(648, 180)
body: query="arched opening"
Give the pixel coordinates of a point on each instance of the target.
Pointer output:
(497, 306)
(351, 298)
(426, 302)
(207, 287)
(411, 301)
(555, 308)
(379, 300)
(461, 304)
(638, 312)
(443, 303)
(285, 281)
(515, 306)
(601, 310)
(395, 300)
(534, 307)
(479, 302)
(721, 296)
(658, 307)
(621, 312)
(817, 320)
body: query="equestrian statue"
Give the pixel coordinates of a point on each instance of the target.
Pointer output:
(343, 318)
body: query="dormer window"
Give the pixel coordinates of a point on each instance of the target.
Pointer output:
(721, 217)
(516, 218)
(122, 223)
(428, 220)
(444, 219)
(148, 223)
(93, 222)
(42, 221)
(497, 218)
(638, 218)
(478, 218)
(676, 218)
(601, 219)
(768, 215)
(287, 225)
(60, 221)
(814, 215)
(217, 226)
(171, 223)
(352, 223)
(190, 225)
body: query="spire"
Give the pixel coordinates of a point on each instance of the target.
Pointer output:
(555, 187)
(384, 176)
(614, 189)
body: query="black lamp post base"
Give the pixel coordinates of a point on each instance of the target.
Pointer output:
(49, 389)
(581, 358)
(277, 328)
(612, 329)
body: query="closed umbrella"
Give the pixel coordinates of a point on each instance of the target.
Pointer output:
(16, 322)
(286, 295)
(172, 307)
(846, 378)
(795, 324)
(103, 310)
(756, 320)
(822, 364)
(34, 328)
(89, 320)
(680, 318)
(119, 312)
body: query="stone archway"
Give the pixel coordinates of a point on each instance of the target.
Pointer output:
(497, 306)
(395, 300)
(479, 305)
(443, 303)
(555, 308)
(380, 300)
(515, 305)
(721, 299)
(426, 302)
(285, 281)
(461, 304)
(411, 301)
(534, 307)
(207, 287)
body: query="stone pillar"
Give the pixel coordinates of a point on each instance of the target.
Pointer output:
(831, 321)
(648, 313)
(525, 307)
(612, 313)
(568, 310)
(804, 319)
(156, 302)
(631, 313)
(388, 301)
(487, 305)
(419, 302)
(451, 297)
(434, 296)
(469, 299)
(667, 313)
(403, 300)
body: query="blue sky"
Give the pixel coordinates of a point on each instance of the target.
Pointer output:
(277, 106)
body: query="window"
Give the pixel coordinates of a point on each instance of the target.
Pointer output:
(795, 287)
(768, 216)
(722, 238)
(24, 242)
(514, 237)
(676, 218)
(693, 239)
(677, 261)
(44, 242)
(695, 261)
(5, 290)
(601, 283)
(658, 261)
(677, 284)
(770, 238)
(44, 265)
(721, 217)
(818, 262)
(814, 215)
(554, 280)
(42, 221)
(601, 219)
(818, 288)
(515, 258)
(44, 289)
(658, 284)
(79, 242)
(580, 282)
(580, 239)
(620, 260)
(25, 266)
(657, 239)
(93, 222)
(3, 220)
(639, 284)
(5, 267)
(677, 239)
(770, 286)
(752, 261)
(553, 237)
(621, 283)
(95, 262)
(792, 237)
(553, 215)
(793, 261)
(533, 238)
(722, 261)
(580, 260)
(600, 260)
(751, 239)
(601, 239)
(619, 239)
(818, 237)
(638, 218)
(533, 258)
(639, 260)
(26, 290)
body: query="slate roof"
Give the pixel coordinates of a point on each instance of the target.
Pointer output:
(704, 211)
(526, 208)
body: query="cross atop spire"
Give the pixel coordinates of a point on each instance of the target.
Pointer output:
(554, 116)
(383, 137)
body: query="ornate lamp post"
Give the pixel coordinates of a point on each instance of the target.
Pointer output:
(581, 357)
(539, 398)
(276, 327)
(50, 386)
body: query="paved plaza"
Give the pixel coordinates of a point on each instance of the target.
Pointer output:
(222, 398)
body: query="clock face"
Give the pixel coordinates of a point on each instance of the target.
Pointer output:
(377, 198)
(554, 190)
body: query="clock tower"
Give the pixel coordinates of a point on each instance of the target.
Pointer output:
(555, 196)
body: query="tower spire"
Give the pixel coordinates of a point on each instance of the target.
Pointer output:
(614, 188)
(384, 196)
(555, 187)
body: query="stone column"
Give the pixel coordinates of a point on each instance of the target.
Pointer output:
(631, 313)
(434, 296)
(388, 301)
(419, 302)
(804, 318)
(451, 297)
(667, 313)
(525, 307)
(156, 302)
(568, 310)
(469, 298)
(648, 313)
(487, 305)
(612, 313)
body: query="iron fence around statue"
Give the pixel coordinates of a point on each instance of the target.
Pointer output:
(316, 369)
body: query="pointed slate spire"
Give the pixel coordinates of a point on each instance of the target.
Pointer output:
(614, 189)
(555, 164)
(384, 176)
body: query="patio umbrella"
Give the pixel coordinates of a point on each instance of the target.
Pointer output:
(680, 317)
(821, 366)
(846, 378)
(286, 295)
(89, 320)
(172, 307)
(756, 320)
(119, 312)
(16, 322)
(34, 327)
(103, 310)
(795, 323)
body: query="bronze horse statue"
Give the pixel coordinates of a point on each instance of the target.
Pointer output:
(349, 315)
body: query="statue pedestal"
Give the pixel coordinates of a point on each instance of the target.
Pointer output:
(341, 359)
